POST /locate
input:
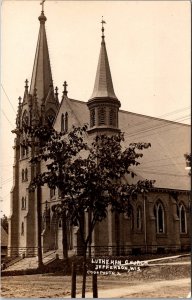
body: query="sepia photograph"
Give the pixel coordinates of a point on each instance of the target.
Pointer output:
(95, 149)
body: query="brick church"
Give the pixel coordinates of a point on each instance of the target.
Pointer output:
(159, 220)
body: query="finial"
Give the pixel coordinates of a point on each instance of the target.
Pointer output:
(26, 85)
(65, 88)
(102, 28)
(42, 17)
(19, 100)
(56, 92)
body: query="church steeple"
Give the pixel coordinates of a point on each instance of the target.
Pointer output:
(103, 104)
(41, 75)
(103, 82)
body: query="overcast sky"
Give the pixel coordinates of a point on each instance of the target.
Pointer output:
(148, 45)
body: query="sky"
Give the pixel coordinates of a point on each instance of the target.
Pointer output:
(148, 45)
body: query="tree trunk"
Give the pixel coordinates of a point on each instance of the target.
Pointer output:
(39, 213)
(94, 286)
(84, 271)
(64, 237)
(73, 281)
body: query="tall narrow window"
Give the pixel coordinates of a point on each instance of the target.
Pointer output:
(26, 174)
(112, 117)
(22, 228)
(92, 117)
(139, 220)
(23, 175)
(66, 121)
(182, 218)
(62, 122)
(102, 116)
(160, 218)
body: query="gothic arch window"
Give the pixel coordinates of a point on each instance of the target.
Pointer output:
(25, 118)
(139, 218)
(62, 122)
(22, 228)
(102, 116)
(50, 116)
(66, 121)
(26, 174)
(23, 175)
(160, 217)
(92, 117)
(183, 219)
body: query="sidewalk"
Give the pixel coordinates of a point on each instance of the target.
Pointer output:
(126, 292)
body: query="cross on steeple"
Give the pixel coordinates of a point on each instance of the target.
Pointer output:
(103, 29)
(42, 3)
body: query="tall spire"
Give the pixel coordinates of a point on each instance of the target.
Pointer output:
(103, 104)
(41, 75)
(103, 82)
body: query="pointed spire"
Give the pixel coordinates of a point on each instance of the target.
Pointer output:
(103, 82)
(41, 75)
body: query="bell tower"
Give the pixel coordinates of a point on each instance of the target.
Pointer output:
(38, 106)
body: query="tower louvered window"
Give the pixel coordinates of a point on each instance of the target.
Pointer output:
(92, 117)
(102, 116)
(112, 117)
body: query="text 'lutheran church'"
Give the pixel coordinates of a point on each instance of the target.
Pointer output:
(159, 221)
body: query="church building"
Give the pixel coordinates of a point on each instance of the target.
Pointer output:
(159, 220)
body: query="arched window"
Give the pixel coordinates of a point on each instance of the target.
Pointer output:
(66, 121)
(22, 228)
(160, 218)
(182, 218)
(62, 122)
(92, 117)
(23, 175)
(50, 116)
(25, 118)
(23, 203)
(102, 116)
(26, 174)
(139, 218)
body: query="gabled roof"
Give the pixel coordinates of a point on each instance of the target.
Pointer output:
(164, 161)
(4, 237)
(41, 75)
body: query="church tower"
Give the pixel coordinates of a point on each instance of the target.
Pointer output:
(103, 104)
(39, 106)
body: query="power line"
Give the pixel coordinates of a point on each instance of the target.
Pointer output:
(174, 126)
(7, 119)
(7, 98)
